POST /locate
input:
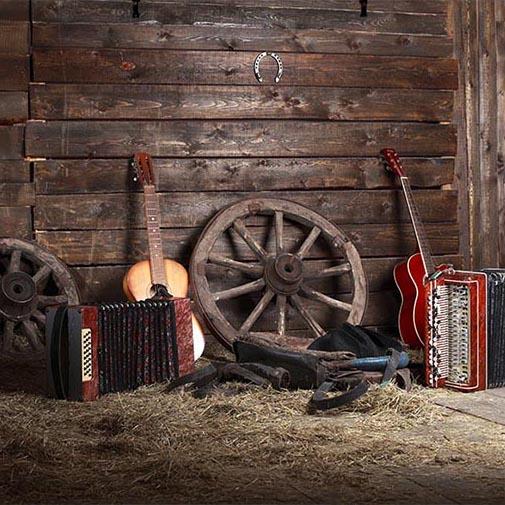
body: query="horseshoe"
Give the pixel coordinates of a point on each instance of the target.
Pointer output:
(257, 61)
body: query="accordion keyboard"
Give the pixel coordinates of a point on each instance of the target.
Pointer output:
(456, 331)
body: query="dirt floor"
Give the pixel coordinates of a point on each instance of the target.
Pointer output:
(246, 445)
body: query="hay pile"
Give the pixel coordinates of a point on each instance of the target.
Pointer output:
(243, 444)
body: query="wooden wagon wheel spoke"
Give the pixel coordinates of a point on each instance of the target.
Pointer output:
(248, 268)
(237, 291)
(327, 300)
(45, 301)
(241, 229)
(42, 275)
(15, 261)
(39, 317)
(281, 314)
(32, 335)
(279, 231)
(309, 242)
(309, 319)
(330, 272)
(8, 336)
(257, 311)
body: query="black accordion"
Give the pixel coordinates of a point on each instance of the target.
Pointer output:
(97, 349)
(495, 327)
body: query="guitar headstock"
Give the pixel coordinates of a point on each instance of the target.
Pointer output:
(143, 167)
(393, 163)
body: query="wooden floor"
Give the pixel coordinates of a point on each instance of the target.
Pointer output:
(488, 405)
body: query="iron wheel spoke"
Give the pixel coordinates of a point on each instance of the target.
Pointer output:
(15, 261)
(309, 319)
(248, 268)
(281, 315)
(327, 300)
(257, 311)
(240, 227)
(309, 242)
(279, 231)
(237, 291)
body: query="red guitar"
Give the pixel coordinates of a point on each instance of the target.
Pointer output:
(411, 275)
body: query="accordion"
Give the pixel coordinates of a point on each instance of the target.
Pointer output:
(465, 344)
(98, 349)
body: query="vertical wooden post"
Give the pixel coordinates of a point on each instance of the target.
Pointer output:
(476, 48)
(500, 67)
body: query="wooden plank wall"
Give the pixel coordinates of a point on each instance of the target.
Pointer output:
(178, 82)
(480, 44)
(16, 189)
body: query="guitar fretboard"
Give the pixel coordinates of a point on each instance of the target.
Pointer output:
(419, 230)
(152, 213)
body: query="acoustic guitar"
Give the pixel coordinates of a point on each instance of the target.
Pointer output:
(157, 276)
(412, 275)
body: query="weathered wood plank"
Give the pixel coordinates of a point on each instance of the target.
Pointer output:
(70, 101)
(124, 210)
(142, 36)
(104, 282)
(483, 404)
(14, 72)
(14, 171)
(93, 11)
(16, 222)
(500, 70)
(100, 247)
(241, 174)
(110, 139)
(14, 37)
(413, 6)
(79, 65)
(13, 107)
(15, 10)
(11, 142)
(16, 194)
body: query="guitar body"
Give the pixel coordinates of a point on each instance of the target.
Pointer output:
(137, 285)
(409, 278)
(137, 282)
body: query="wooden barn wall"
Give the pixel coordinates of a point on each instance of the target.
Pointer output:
(178, 82)
(16, 189)
(479, 31)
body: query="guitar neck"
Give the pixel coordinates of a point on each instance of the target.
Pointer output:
(152, 213)
(419, 230)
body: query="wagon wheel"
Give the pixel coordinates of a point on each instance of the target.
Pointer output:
(277, 269)
(31, 279)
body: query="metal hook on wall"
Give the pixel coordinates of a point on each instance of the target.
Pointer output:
(135, 8)
(363, 4)
(277, 59)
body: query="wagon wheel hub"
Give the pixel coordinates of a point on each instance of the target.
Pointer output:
(17, 295)
(284, 273)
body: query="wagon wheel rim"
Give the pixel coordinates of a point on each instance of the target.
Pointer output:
(278, 276)
(31, 280)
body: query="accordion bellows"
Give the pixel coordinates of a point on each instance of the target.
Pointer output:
(98, 349)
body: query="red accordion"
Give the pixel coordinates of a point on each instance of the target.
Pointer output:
(98, 349)
(456, 333)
